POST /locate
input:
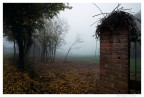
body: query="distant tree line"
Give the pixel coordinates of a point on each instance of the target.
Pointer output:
(48, 38)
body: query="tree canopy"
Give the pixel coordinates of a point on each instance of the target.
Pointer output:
(29, 13)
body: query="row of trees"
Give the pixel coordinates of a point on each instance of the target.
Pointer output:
(23, 23)
(48, 38)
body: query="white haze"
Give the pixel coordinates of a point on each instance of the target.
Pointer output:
(79, 18)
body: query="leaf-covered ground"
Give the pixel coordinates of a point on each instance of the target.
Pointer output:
(54, 78)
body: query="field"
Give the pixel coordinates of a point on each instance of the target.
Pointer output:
(87, 59)
(138, 69)
(138, 65)
(52, 78)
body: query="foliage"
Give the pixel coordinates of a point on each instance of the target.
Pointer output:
(22, 18)
(15, 81)
(53, 30)
(132, 65)
(51, 36)
(55, 78)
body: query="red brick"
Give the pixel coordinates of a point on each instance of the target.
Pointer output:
(114, 62)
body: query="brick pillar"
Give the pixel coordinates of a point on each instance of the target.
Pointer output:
(114, 62)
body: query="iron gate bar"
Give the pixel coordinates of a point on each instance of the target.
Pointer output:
(129, 45)
(135, 61)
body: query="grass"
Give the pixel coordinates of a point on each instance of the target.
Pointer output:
(88, 59)
(132, 65)
(8, 57)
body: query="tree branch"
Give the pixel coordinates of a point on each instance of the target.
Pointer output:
(98, 8)
(100, 14)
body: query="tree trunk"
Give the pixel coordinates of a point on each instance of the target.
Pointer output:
(54, 52)
(46, 55)
(14, 53)
(39, 53)
(67, 55)
(34, 53)
(21, 56)
(96, 49)
(43, 53)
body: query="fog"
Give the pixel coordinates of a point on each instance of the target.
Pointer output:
(80, 19)
(62, 55)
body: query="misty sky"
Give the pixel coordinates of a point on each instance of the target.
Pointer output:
(80, 19)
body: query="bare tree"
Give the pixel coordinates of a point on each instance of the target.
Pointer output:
(77, 41)
(60, 28)
(51, 36)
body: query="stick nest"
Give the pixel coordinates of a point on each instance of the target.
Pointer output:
(119, 19)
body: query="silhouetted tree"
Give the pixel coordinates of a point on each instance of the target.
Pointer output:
(22, 19)
(77, 41)
(60, 27)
